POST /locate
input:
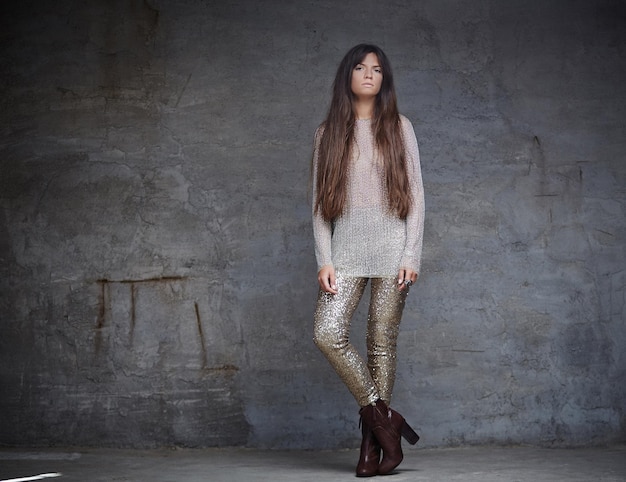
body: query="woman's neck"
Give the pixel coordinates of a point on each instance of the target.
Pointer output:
(364, 108)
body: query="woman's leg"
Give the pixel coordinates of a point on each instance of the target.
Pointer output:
(331, 335)
(383, 325)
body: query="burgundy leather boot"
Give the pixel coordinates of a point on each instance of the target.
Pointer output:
(378, 418)
(370, 453)
(403, 428)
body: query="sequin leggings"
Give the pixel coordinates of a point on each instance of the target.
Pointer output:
(366, 381)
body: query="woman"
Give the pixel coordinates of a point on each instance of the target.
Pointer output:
(368, 218)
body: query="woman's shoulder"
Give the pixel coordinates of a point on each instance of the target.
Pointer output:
(405, 124)
(408, 132)
(404, 121)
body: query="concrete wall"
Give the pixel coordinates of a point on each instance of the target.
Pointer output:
(157, 272)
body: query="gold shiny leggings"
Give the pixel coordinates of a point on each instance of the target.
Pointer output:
(374, 380)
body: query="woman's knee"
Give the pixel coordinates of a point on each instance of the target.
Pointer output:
(329, 340)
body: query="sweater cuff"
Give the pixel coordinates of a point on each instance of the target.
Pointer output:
(409, 262)
(320, 266)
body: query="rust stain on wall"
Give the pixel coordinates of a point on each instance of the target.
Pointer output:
(104, 305)
(104, 302)
(133, 311)
(201, 335)
(157, 279)
(223, 368)
(101, 319)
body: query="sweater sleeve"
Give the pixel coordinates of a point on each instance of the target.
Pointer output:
(412, 255)
(322, 229)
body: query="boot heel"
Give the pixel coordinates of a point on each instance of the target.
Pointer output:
(409, 434)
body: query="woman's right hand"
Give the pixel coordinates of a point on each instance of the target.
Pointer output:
(327, 279)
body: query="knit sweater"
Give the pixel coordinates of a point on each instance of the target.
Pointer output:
(367, 239)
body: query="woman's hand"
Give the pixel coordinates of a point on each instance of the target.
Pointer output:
(327, 279)
(406, 277)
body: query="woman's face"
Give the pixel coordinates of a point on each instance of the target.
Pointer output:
(367, 77)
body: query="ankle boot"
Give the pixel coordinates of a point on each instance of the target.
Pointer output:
(370, 453)
(378, 418)
(402, 429)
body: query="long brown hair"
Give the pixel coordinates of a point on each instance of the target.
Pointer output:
(335, 147)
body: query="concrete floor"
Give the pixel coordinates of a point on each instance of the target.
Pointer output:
(484, 464)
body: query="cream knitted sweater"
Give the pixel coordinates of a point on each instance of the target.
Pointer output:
(367, 240)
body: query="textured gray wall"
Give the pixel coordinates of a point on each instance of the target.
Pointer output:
(157, 270)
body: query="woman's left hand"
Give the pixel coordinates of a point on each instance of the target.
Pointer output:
(406, 277)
